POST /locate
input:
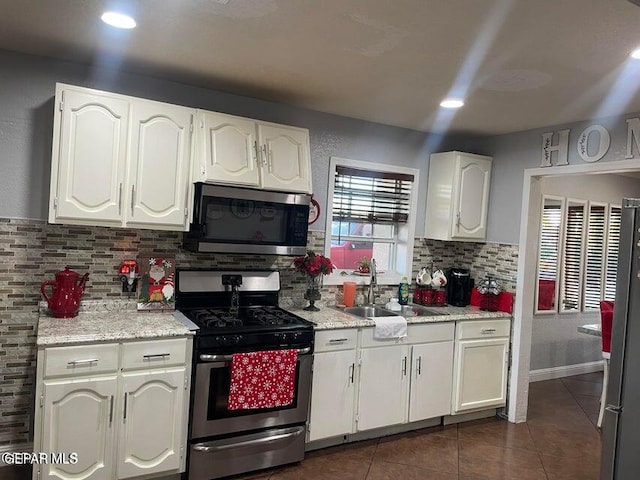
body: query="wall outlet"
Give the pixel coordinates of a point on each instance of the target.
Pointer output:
(129, 289)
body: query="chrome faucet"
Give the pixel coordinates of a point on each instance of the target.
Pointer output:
(373, 283)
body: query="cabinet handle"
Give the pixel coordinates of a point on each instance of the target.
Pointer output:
(256, 154)
(156, 355)
(133, 197)
(338, 340)
(88, 361)
(264, 155)
(458, 220)
(419, 366)
(404, 366)
(120, 199)
(111, 410)
(488, 331)
(352, 370)
(126, 397)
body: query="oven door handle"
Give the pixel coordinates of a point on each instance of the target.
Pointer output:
(279, 435)
(205, 357)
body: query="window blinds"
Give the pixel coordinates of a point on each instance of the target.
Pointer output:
(550, 242)
(572, 259)
(594, 266)
(613, 243)
(370, 196)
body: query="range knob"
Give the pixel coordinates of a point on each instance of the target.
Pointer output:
(237, 339)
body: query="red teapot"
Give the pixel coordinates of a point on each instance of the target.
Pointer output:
(68, 287)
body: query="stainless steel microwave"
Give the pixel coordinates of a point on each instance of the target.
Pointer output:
(243, 220)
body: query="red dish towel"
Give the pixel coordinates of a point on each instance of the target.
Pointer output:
(262, 379)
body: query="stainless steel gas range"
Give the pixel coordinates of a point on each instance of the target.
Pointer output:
(238, 312)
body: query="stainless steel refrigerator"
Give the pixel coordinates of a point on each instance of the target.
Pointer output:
(621, 424)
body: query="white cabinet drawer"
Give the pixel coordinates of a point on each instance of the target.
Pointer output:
(332, 340)
(433, 332)
(81, 360)
(157, 353)
(367, 339)
(483, 329)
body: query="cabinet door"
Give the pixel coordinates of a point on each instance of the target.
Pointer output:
(480, 374)
(150, 438)
(78, 418)
(431, 379)
(286, 162)
(383, 387)
(89, 171)
(229, 149)
(159, 165)
(471, 200)
(332, 396)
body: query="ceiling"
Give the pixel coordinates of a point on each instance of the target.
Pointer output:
(519, 64)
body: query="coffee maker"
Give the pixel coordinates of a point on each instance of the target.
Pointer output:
(459, 285)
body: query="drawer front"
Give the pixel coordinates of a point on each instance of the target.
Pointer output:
(81, 360)
(367, 339)
(151, 354)
(434, 332)
(483, 329)
(331, 340)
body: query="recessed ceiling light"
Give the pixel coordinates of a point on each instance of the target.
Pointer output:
(451, 103)
(636, 54)
(118, 20)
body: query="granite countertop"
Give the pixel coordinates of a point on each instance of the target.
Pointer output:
(329, 318)
(107, 322)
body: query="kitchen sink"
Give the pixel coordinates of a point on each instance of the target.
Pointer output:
(369, 311)
(420, 311)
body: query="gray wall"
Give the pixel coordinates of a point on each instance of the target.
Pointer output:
(514, 153)
(27, 86)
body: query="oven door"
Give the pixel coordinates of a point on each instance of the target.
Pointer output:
(211, 416)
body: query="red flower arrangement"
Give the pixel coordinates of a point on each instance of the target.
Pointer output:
(313, 265)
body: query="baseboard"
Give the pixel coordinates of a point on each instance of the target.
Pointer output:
(564, 371)
(20, 447)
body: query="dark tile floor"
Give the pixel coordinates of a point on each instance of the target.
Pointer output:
(558, 442)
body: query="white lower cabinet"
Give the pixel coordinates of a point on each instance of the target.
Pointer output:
(150, 435)
(432, 376)
(361, 383)
(123, 416)
(481, 364)
(334, 384)
(384, 383)
(78, 417)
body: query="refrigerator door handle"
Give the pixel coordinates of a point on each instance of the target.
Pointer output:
(617, 409)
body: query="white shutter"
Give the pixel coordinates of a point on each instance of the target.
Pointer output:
(594, 266)
(572, 258)
(613, 242)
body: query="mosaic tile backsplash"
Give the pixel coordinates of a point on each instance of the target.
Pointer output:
(31, 251)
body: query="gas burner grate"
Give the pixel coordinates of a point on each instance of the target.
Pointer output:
(269, 316)
(215, 318)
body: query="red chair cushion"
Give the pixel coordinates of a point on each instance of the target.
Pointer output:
(606, 318)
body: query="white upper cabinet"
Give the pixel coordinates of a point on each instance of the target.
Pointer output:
(245, 152)
(228, 150)
(458, 196)
(119, 161)
(89, 153)
(285, 161)
(160, 156)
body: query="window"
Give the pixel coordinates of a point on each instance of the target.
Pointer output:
(371, 209)
(582, 237)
